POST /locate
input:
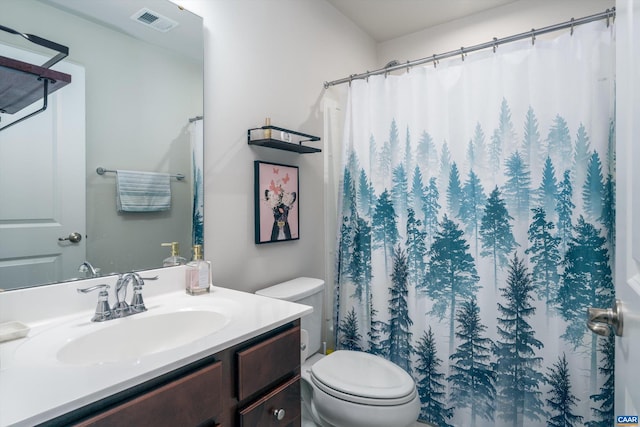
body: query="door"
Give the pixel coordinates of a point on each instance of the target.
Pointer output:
(42, 184)
(627, 375)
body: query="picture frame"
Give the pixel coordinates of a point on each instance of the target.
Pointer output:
(277, 201)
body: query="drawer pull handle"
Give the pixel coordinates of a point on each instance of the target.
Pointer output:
(279, 414)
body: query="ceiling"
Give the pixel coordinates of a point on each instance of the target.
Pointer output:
(382, 20)
(388, 19)
(185, 38)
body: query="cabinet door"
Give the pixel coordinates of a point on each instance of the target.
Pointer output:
(279, 408)
(268, 362)
(194, 400)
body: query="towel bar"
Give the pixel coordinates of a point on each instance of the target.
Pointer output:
(101, 171)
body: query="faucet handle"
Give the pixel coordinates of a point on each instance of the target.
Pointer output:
(137, 304)
(103, 311)
(103, 288)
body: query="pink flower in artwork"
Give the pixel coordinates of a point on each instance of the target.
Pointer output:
(274, 188)
(276, 195)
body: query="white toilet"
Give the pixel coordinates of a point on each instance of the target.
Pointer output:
(346, 388)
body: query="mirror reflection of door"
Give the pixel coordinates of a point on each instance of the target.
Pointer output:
(40, 157)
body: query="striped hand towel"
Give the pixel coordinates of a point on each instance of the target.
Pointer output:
(142, 191)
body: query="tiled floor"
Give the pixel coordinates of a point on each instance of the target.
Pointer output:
(306, 421)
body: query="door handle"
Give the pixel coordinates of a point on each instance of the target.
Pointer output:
(74, 237)
(603, 320)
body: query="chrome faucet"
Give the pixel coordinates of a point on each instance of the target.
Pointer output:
(121, 308)
(86, 267)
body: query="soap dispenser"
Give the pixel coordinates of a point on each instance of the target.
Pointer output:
(175, 258)
(198, 278)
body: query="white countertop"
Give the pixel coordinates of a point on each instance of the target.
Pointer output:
(35, 386)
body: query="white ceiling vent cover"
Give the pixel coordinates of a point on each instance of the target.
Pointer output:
(154, 20)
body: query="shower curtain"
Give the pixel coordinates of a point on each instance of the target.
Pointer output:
(196, 129)
(476, 225)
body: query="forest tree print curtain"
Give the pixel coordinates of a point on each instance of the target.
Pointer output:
(476, 227)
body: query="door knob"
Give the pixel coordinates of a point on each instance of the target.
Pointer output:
(74, 237)
(603, 320)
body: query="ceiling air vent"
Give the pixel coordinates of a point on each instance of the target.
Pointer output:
(154, 20)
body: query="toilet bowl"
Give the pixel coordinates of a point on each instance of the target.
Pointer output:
(346, 388)
(357, 389)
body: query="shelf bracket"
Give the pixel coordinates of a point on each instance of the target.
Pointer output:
(44, 105)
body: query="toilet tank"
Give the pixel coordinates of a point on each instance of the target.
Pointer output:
(303, 290)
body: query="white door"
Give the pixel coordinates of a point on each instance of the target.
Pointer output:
(42, 184)
(628, 206)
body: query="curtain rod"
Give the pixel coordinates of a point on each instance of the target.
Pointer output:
(395, 65)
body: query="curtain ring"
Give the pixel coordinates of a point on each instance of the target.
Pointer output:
(533, 36)
(408, 67)
(608, 16)
(351, 79)
(368, 73)
(495, 44)
(462, 52)
(435, 61)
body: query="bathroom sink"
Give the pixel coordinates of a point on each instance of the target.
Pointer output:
(134, 337)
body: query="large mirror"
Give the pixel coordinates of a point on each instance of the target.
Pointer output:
(134, 103)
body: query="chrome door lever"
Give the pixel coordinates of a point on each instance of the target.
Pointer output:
(603, 320)
(74, 237)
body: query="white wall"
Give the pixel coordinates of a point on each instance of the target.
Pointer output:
(513, 18)
(267, 59)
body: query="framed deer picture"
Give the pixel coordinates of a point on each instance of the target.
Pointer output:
(277, 199)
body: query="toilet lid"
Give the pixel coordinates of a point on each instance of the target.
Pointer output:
(357, 376)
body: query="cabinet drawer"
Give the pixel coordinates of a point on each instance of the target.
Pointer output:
(189, 401)
(263, 412)
(268, 362)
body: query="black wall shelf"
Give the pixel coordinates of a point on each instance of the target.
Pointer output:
(278, 144)
(22, 84)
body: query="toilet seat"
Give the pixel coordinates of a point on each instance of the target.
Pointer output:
(363, 378)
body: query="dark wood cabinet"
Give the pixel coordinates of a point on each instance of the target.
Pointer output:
(279, 407)
(252, 384)
(256, 368)
(268, 378)
(192, 400)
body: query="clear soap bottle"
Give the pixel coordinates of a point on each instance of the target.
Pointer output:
(174, 258)
(198, 280)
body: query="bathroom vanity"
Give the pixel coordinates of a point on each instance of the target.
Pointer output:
(255, 383)
(244, 371)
